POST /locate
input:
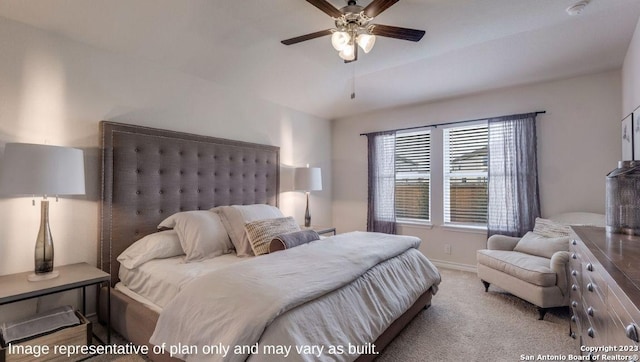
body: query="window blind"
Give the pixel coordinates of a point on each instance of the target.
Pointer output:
(413, 174)
(465, 174)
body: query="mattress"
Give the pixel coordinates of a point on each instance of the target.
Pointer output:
(158, 281)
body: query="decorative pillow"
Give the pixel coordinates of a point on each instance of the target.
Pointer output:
(235, 217)
(261, 232)
(201, 234)
(160, 245)
(534, 244)
(550, 229)
(291, 240)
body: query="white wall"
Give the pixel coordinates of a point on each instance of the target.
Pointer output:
(578, 144)
(631, 75)
(55, 91)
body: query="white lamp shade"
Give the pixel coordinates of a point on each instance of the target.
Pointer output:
(339, 39)
(30, 169)
(308, 179)
(348, 53)
(366, 42)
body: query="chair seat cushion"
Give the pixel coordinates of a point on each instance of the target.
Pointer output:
(530, 268)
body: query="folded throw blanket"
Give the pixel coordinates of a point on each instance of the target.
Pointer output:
(291, 240)
(39, 324)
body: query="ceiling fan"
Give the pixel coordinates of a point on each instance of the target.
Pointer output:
(353, 26)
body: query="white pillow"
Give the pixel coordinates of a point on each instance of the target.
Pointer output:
(235, 217)
(534, 244)
(261, 232)
(160, 245)
(201, 234)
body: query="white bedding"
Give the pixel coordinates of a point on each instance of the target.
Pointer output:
(359, 283)
(137, 297)
(160, 280)
(347, 316)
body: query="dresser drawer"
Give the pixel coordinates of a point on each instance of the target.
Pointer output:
(577, 314)
(575, 273)
(591, 335)
(605, 297)
(577, 250)
(593, 289)
(624, 329)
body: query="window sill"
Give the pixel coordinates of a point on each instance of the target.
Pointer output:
(415, 224)
(474, 229)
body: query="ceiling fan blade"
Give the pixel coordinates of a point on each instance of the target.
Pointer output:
(377, 6)
(326, 7)
(397, 32)
(306, 37)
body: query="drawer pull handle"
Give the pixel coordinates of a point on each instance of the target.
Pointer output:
(573, 335)
(590, 287)
(573, 318)
(590, 267)
(574, 256)
(632, 333)
(574, 287)
(590, 311)
(574, 272)
(591, 333)
(574, 242)
(574, 304)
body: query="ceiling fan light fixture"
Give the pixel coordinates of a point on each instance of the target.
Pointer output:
(348, 53)
(366, 42)
(340, 39)
(353, 27)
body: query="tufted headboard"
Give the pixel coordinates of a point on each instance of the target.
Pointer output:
(149, 174)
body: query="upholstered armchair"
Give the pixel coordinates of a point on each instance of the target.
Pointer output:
(539, 280)
(535, 267)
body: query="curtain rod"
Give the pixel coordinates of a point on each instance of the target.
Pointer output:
(447, 123)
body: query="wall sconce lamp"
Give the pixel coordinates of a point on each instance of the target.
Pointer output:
(42, 170)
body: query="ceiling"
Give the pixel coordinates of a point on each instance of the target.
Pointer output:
(470, 46)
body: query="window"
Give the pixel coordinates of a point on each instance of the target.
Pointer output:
(465, 174)
(413, 175)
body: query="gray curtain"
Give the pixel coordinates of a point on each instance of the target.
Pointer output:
(514, 202)
(381, 213)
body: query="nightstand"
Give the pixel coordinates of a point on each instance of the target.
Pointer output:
(320, 229)
(16, 287)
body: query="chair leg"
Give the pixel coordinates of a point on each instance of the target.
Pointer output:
(486, 286)
(542, 312)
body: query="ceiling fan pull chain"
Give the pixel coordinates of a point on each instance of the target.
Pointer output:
(353, 82)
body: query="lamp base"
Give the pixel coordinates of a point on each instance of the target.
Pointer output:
(40, 277)
(307, 214)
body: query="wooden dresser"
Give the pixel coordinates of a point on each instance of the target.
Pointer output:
(605, 291)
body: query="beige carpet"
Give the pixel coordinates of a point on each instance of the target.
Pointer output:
(466, 324)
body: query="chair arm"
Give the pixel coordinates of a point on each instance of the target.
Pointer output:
(559, 264)
(502, 242)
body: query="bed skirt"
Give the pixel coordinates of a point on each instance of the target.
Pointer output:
(135, 322)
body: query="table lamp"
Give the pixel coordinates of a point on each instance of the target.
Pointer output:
(42, 170)
(307, 179)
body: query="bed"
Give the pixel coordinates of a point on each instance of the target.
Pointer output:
(150, 174)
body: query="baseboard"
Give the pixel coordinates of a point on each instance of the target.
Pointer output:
(456, 266)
